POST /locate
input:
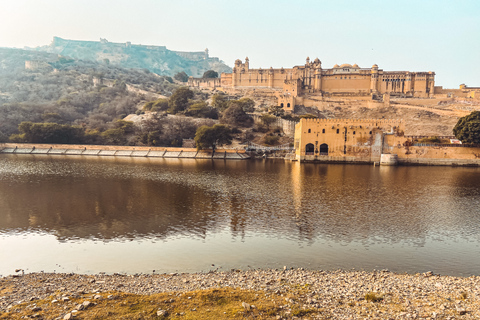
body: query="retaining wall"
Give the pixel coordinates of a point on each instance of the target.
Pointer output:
(120, 151)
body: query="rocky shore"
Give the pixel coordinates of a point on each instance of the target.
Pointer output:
(293, 294)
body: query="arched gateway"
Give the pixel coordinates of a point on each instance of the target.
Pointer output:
(324, 149)
(309, 149)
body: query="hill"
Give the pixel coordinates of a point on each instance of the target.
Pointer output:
(157, 59)
(45, 87)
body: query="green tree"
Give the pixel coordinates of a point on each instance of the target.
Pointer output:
(202, 110)
(210, 74)
(236, 116)
(211, 137)
(467, 128)
(179, 100)
(247, 104)
(48, 133)
(119, 133)
(181, 76)
(219, 102)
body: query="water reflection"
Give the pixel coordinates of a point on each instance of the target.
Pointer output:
(357, 206)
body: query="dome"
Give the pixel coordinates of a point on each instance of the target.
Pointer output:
(317, 60)
(336, 66)
(375, 66)
(355, 65)
(346, 65)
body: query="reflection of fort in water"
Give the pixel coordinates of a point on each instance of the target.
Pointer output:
(111, 199)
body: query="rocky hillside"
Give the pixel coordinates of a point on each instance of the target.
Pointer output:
(157, 59)
(45, 87)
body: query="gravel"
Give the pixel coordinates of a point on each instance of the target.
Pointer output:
(338, 294)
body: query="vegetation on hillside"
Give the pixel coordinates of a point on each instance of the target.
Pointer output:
(63, 100)
(467, 128)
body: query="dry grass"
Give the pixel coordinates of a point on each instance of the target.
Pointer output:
(204, 304)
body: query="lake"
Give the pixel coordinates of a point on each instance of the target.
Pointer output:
(136, 215)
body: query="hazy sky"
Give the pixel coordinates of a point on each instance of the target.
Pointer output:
(414, 35)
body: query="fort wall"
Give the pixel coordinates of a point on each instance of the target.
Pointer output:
(363, 141)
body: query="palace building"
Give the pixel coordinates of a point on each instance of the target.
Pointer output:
(297, 85)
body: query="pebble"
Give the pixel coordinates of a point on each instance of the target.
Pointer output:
(162, 313)
(338, 294)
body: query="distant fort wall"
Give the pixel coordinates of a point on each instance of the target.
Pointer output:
(58, 42)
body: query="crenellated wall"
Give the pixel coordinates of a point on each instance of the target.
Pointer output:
(364, 140)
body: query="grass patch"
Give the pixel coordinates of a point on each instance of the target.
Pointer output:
(373, 297)
(198, 305)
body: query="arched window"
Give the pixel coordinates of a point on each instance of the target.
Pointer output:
(309, 149)
(323, 130)
(288, 105)
(281, 104)
(324, 149)
(309, 130)
(338, 130)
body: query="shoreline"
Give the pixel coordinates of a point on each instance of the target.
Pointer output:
(219, 154)
(320, 294)
(121, 151)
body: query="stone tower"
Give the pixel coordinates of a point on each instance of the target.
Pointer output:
(318, 75)
(374, 79)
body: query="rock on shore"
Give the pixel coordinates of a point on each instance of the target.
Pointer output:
(334, 294)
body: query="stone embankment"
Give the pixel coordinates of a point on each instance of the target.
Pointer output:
(120, 151)
(313, 294)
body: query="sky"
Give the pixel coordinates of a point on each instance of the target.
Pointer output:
(398, 35)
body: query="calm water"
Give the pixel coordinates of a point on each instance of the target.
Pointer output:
(88, 215)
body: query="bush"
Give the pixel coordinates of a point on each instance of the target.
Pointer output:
(271, 140)
(430, 140)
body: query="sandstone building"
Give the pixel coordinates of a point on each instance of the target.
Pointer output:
(308, 83)
(366, 140)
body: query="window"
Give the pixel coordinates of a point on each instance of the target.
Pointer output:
(288, 105)
(281, 104)
(370, 132)
(353, 132)
(309, 130)
(323, 130)
(338, 130)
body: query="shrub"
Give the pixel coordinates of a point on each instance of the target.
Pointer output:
(373, 297)
(270, 140)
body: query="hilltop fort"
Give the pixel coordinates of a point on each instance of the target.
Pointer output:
(157, 59)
